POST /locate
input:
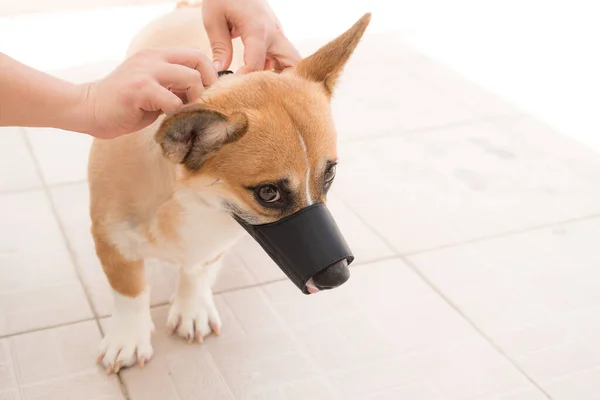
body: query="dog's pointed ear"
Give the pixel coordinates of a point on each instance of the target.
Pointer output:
(191, 135)
(327, 63)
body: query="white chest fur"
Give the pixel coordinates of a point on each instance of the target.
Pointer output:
(206, 232)
(203, 233)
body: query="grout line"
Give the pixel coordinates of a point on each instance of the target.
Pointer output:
(308, 355)
(213, 365)
(70, 250)
(16, 370)
(67, 183)
(573, 373)
(473, 325)
(21, 190)
(41, 187)
(533, 228)
(414, 268)
(61, 227)
(46, 328)
(124, 389)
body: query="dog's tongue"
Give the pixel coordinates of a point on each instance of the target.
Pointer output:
(310, 286)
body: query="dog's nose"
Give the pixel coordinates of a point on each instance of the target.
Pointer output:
(333, 276)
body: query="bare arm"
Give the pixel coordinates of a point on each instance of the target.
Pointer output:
(29, 97)
(128, 99)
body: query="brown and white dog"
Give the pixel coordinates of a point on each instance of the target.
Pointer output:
(261, 146)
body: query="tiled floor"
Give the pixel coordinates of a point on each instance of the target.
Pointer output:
(475, 229)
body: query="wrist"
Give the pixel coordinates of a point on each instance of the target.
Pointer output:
(77, 112)
(32, 98)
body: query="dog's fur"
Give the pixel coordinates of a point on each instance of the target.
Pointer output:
(168, 191)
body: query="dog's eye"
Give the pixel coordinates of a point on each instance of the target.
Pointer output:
(268, 193)
(330, 174)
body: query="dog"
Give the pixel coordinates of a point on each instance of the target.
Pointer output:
(258, 146)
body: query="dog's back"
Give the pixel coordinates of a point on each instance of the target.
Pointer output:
(181, 27)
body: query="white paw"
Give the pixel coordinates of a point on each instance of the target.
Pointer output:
(127, 341)
(193, 318)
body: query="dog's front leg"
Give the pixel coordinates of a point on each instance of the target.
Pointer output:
(193, 314)
(128, 337)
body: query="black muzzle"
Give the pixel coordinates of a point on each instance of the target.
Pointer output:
(308, 246)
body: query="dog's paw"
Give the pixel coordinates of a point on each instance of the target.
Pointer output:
(194, 318)
(126, 343)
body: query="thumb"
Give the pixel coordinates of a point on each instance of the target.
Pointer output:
(220, 42)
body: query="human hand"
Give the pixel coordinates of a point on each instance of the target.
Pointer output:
(145, 85)
(265, 45)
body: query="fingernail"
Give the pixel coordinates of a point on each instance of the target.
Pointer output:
(217, 65)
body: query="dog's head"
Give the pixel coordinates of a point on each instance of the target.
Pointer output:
(263, 147)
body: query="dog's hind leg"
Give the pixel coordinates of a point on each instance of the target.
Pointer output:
(128, 337)
(193, 314)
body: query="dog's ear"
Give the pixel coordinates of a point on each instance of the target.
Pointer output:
(327, 63)
(192, 134)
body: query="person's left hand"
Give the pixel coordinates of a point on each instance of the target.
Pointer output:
(265, 44)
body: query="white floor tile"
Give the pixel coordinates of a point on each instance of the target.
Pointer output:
(17, 167)
(8, 379)
(62, 155)
(582, 385)
(370, 102)
(59, 364)
(435, 188)
(35, 267)
(535, 294)
(531, 393)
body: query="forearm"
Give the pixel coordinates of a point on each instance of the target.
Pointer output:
(29, 97)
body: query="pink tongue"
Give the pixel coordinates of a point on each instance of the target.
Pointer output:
(312, 289)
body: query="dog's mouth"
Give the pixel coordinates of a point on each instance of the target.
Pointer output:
(311, 287)
(307, 246)
(329, 278)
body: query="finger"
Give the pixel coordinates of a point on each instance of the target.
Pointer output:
(220, 41)
(195, 59)
(148, 118)
(157, 98)
(284, 52)
(269, 64)
(178, 77)
(182, 94)
(194, 92)
(255, 54)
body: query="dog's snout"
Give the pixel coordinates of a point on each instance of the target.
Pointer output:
(333, 276)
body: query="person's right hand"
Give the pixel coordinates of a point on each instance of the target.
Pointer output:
(265, 45)
(147, 84)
